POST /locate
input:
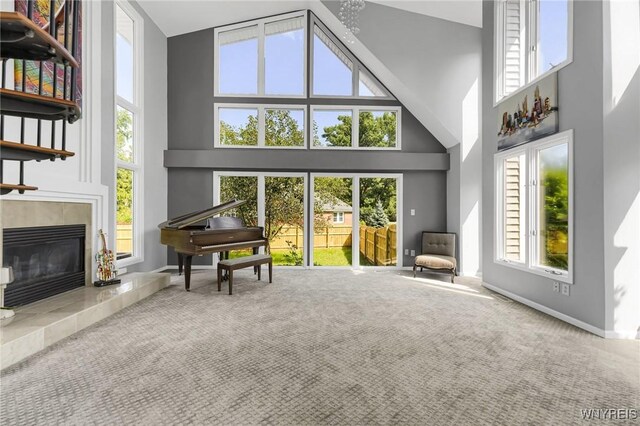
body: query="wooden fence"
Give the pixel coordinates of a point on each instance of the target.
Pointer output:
(379, 245)
(325, 237)
(124, 238)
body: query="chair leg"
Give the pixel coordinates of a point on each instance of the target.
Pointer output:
(230, 281)
(219, 278)
(270, 271)
(414, 271)
(453, 275)
(259, 271)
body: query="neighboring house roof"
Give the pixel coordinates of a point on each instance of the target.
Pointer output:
(336, 206)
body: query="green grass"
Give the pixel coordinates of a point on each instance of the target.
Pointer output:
(279, 256)
(337, 256)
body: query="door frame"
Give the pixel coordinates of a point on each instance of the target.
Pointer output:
(355, 200)
(261, 201)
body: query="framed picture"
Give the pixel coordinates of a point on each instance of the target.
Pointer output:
(529, 114)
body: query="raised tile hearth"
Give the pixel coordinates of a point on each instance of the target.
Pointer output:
(38, 325)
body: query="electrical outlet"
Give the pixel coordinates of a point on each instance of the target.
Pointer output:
(413, 212)
(406, 252)
(413, 252)
(556, 286)
(565, 289)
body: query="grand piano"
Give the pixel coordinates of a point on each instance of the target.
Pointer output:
(220, 235)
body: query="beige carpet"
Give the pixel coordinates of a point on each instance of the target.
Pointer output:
(324, 347)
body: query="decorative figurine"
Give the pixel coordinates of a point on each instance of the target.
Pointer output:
(106, 265)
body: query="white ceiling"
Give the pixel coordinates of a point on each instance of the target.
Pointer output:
(463, 11)
(184, 16)
(180, 17)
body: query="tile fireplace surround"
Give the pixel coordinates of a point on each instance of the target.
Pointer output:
(22, 214)
(40, 324)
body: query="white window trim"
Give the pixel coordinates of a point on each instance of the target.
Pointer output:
(261, 202)
(137, 109)
(338, 217)
(261, 108)
(355, 126)
(355, 218)
(531, 194)
(355, 74)
(530, 55)
(261, 59)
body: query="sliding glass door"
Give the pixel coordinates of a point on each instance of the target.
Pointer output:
(275, 201)
(356, 219)
(350, 220)
(378, 230)
(333, 221)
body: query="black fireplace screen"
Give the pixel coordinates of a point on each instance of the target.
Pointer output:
(46, 260)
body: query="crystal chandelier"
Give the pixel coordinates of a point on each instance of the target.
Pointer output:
(349, 10)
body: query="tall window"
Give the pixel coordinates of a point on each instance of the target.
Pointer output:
(533, 38)
(128, 138)
(534, 207)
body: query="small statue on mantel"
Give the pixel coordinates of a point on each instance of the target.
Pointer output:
(106, 265)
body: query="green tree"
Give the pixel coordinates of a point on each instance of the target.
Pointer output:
(373, 131)
(556, 217)
(124, 177)
(379, 218)
(281, 129)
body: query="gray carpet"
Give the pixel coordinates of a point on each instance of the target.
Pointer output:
(324, 347)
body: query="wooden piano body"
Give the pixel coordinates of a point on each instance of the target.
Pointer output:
(220, 235)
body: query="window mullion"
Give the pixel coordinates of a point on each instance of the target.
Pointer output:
(262, 123)
(355, 127)
(261, 59)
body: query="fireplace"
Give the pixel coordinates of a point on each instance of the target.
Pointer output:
(46, 260)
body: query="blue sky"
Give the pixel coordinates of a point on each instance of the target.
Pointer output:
(124, 64)
(553, 33)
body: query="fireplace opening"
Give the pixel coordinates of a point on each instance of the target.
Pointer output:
(46, 260)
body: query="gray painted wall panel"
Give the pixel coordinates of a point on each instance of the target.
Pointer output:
(305, 160)
(580, 100)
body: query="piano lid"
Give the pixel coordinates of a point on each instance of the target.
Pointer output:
(191, 218)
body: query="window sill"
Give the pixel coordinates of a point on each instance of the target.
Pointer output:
(532, 82)
(565, 278)
(128, 261)
(215, 145)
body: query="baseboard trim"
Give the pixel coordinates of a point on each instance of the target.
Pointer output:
(626, 334)
(559, 315)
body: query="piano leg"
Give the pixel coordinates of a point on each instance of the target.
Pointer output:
(224, 256)
(256, 250)
(187, 272)
(180, 263)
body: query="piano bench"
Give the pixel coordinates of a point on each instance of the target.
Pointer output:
(231, 265)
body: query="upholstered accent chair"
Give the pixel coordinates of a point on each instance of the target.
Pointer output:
(438, 253)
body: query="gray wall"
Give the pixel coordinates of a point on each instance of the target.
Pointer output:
(580, 99)
(191, 128)
(154, 130)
